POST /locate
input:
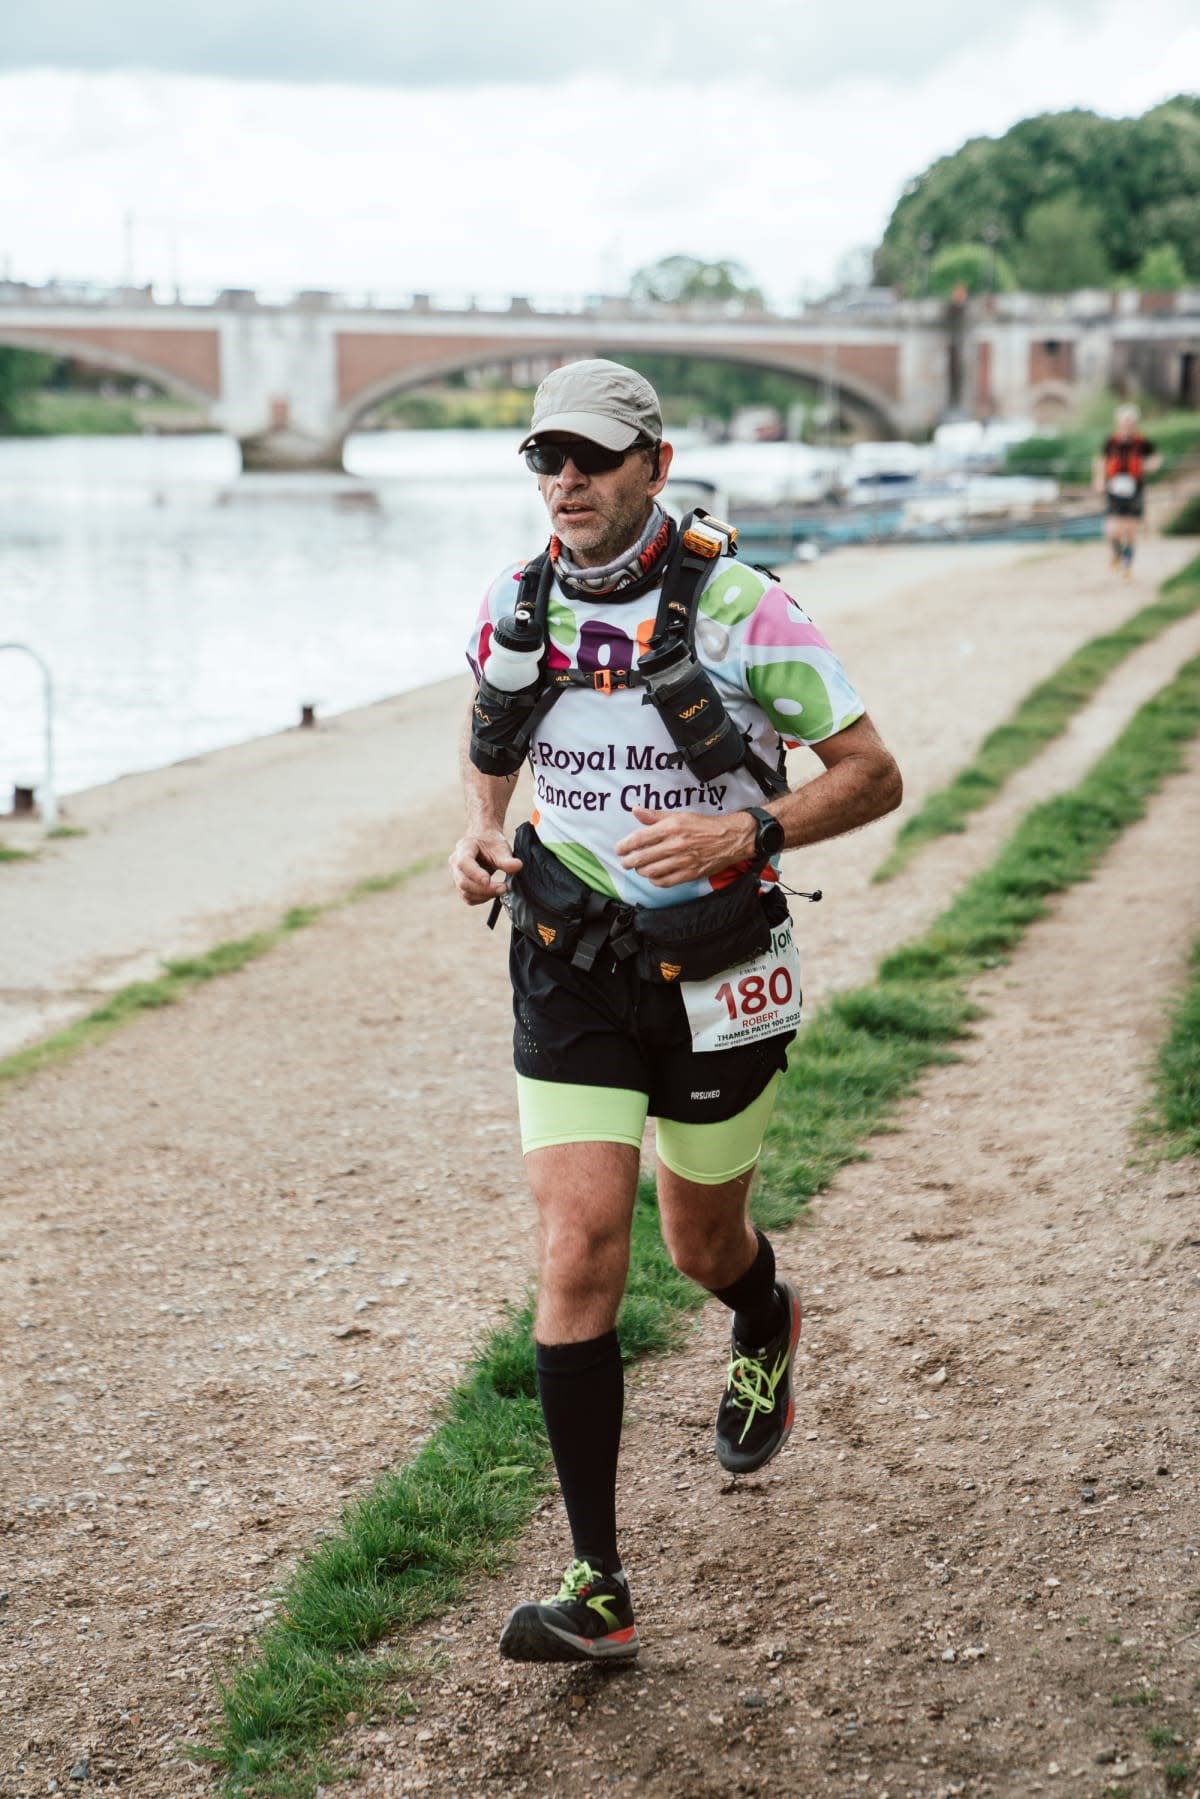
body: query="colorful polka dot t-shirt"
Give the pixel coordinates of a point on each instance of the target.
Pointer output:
(596, 756)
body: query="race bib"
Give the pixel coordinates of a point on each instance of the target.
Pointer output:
(759, 998)
(1122, 487)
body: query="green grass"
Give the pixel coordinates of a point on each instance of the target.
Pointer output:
(1069, 455)
(1185, 522)
(404, 1552)
(141, 996)
(179, 977)
(7, 854)
(1141, 1696)
(1042, 715)
(79, 413)
(1172, 1124)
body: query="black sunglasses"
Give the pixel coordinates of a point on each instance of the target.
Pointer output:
(589, 458)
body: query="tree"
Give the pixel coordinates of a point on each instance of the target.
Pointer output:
(1061, 248)
(674, 280)
(1161, 270)
(979, 269)
(22, 372)
(691, 385)
(1141, 176)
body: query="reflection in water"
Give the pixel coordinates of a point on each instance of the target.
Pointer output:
(182, 606)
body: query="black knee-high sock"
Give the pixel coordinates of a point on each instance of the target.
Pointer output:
(582, 1390)
(757, 1311)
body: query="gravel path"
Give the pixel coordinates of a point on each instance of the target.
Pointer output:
(250, 1240)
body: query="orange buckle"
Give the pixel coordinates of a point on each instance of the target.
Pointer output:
(602, 679)
(710, 538)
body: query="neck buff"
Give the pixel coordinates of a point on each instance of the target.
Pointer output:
(633, 564)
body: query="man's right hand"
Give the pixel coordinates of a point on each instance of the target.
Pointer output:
(480, 866)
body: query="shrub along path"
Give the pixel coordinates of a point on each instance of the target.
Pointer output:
(252, 1238)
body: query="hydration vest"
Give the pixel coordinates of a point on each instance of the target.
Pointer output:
(676, 682)
(1126, 456)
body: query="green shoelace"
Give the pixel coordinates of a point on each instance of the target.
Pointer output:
(577, 1578)
(752, 1387)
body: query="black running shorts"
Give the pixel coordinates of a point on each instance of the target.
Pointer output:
(611, 1028)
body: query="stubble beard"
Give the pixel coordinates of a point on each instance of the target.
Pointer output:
(603, 539)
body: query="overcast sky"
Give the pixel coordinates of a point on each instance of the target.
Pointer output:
(532, 148)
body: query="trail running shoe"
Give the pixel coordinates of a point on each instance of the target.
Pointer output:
(754, 1419)
(589, 1619)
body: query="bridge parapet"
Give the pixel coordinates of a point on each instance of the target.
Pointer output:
(873, 304)
(290, 375)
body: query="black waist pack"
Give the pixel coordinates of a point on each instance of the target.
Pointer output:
(688, 942)
(558, 911)
(703, 936)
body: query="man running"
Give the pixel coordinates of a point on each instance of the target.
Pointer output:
(1119, 474)
(651, 959)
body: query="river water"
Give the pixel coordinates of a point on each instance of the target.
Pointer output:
(182, 606)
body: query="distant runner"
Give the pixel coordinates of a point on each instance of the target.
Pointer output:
(1120, 474)
(652, 682)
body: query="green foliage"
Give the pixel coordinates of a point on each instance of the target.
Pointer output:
(1070, 455)
(1061, 247)
(1057, 843)
(1142, 177)
(1175, 1120)
(674, 280)
(1161, 270)
(458, 409)
(978, 269)
(1186, 522)
(22, 373)
(691, 385)
(1041, 716)
(178, 976)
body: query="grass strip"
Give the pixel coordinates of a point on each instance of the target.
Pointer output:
(180, 976)
(1172, 1125)
(404, 1552)
(1070, 455)
(10, 855)
(1042, 715)
(1185, 522)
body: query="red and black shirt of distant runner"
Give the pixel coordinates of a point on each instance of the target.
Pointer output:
(1127, 456)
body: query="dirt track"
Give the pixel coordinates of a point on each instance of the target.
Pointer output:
(253, 1238)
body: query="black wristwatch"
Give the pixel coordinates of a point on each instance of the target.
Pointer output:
(768, 832)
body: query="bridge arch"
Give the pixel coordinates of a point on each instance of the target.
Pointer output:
(857, 390)
(195, 378)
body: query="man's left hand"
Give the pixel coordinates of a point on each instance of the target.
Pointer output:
(673, 847)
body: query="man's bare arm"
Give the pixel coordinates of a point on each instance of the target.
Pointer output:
(482, 859)
(860, 782)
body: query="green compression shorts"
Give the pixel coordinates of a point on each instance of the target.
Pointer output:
(555, 1112)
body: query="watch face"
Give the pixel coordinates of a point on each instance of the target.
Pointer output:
(769, 837)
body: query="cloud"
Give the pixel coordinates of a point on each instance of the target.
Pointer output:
(546, 190)
(406, 45)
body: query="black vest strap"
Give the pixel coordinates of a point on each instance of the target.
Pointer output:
(682, 580)
(683, 574)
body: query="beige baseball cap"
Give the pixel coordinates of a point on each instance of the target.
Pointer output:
(597, 399)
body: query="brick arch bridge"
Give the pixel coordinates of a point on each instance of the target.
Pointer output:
(373, 367)
(289, 381)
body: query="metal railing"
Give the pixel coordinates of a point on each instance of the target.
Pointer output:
(49, 800)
